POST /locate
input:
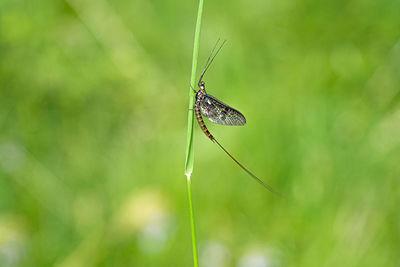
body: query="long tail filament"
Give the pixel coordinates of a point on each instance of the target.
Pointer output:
(249, 172)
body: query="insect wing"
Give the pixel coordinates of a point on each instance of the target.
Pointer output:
(218, 112)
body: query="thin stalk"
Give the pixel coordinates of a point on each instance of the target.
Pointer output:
(194, 244)
(189, 145)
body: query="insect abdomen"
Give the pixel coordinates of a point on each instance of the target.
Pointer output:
(201, 121)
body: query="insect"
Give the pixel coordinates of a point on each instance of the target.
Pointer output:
(220, 113)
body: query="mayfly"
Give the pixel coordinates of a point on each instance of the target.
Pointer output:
(220, 113)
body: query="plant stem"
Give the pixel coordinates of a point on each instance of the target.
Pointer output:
(194, 244)
(189, 147)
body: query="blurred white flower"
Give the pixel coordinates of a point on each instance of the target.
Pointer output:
(214, 254)
(259, 258)
(145, 214)
(12, 241)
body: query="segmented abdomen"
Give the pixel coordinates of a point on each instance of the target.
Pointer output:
(201, 121)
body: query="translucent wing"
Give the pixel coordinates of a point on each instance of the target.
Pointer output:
(218, 112)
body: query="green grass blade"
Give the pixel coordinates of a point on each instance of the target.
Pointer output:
(189, 147)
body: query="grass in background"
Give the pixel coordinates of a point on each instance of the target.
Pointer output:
(92, 116)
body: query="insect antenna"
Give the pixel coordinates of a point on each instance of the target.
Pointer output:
(212, 51)
(249, 172)
(211, 58)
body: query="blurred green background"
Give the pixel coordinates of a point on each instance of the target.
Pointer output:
(93, 117)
